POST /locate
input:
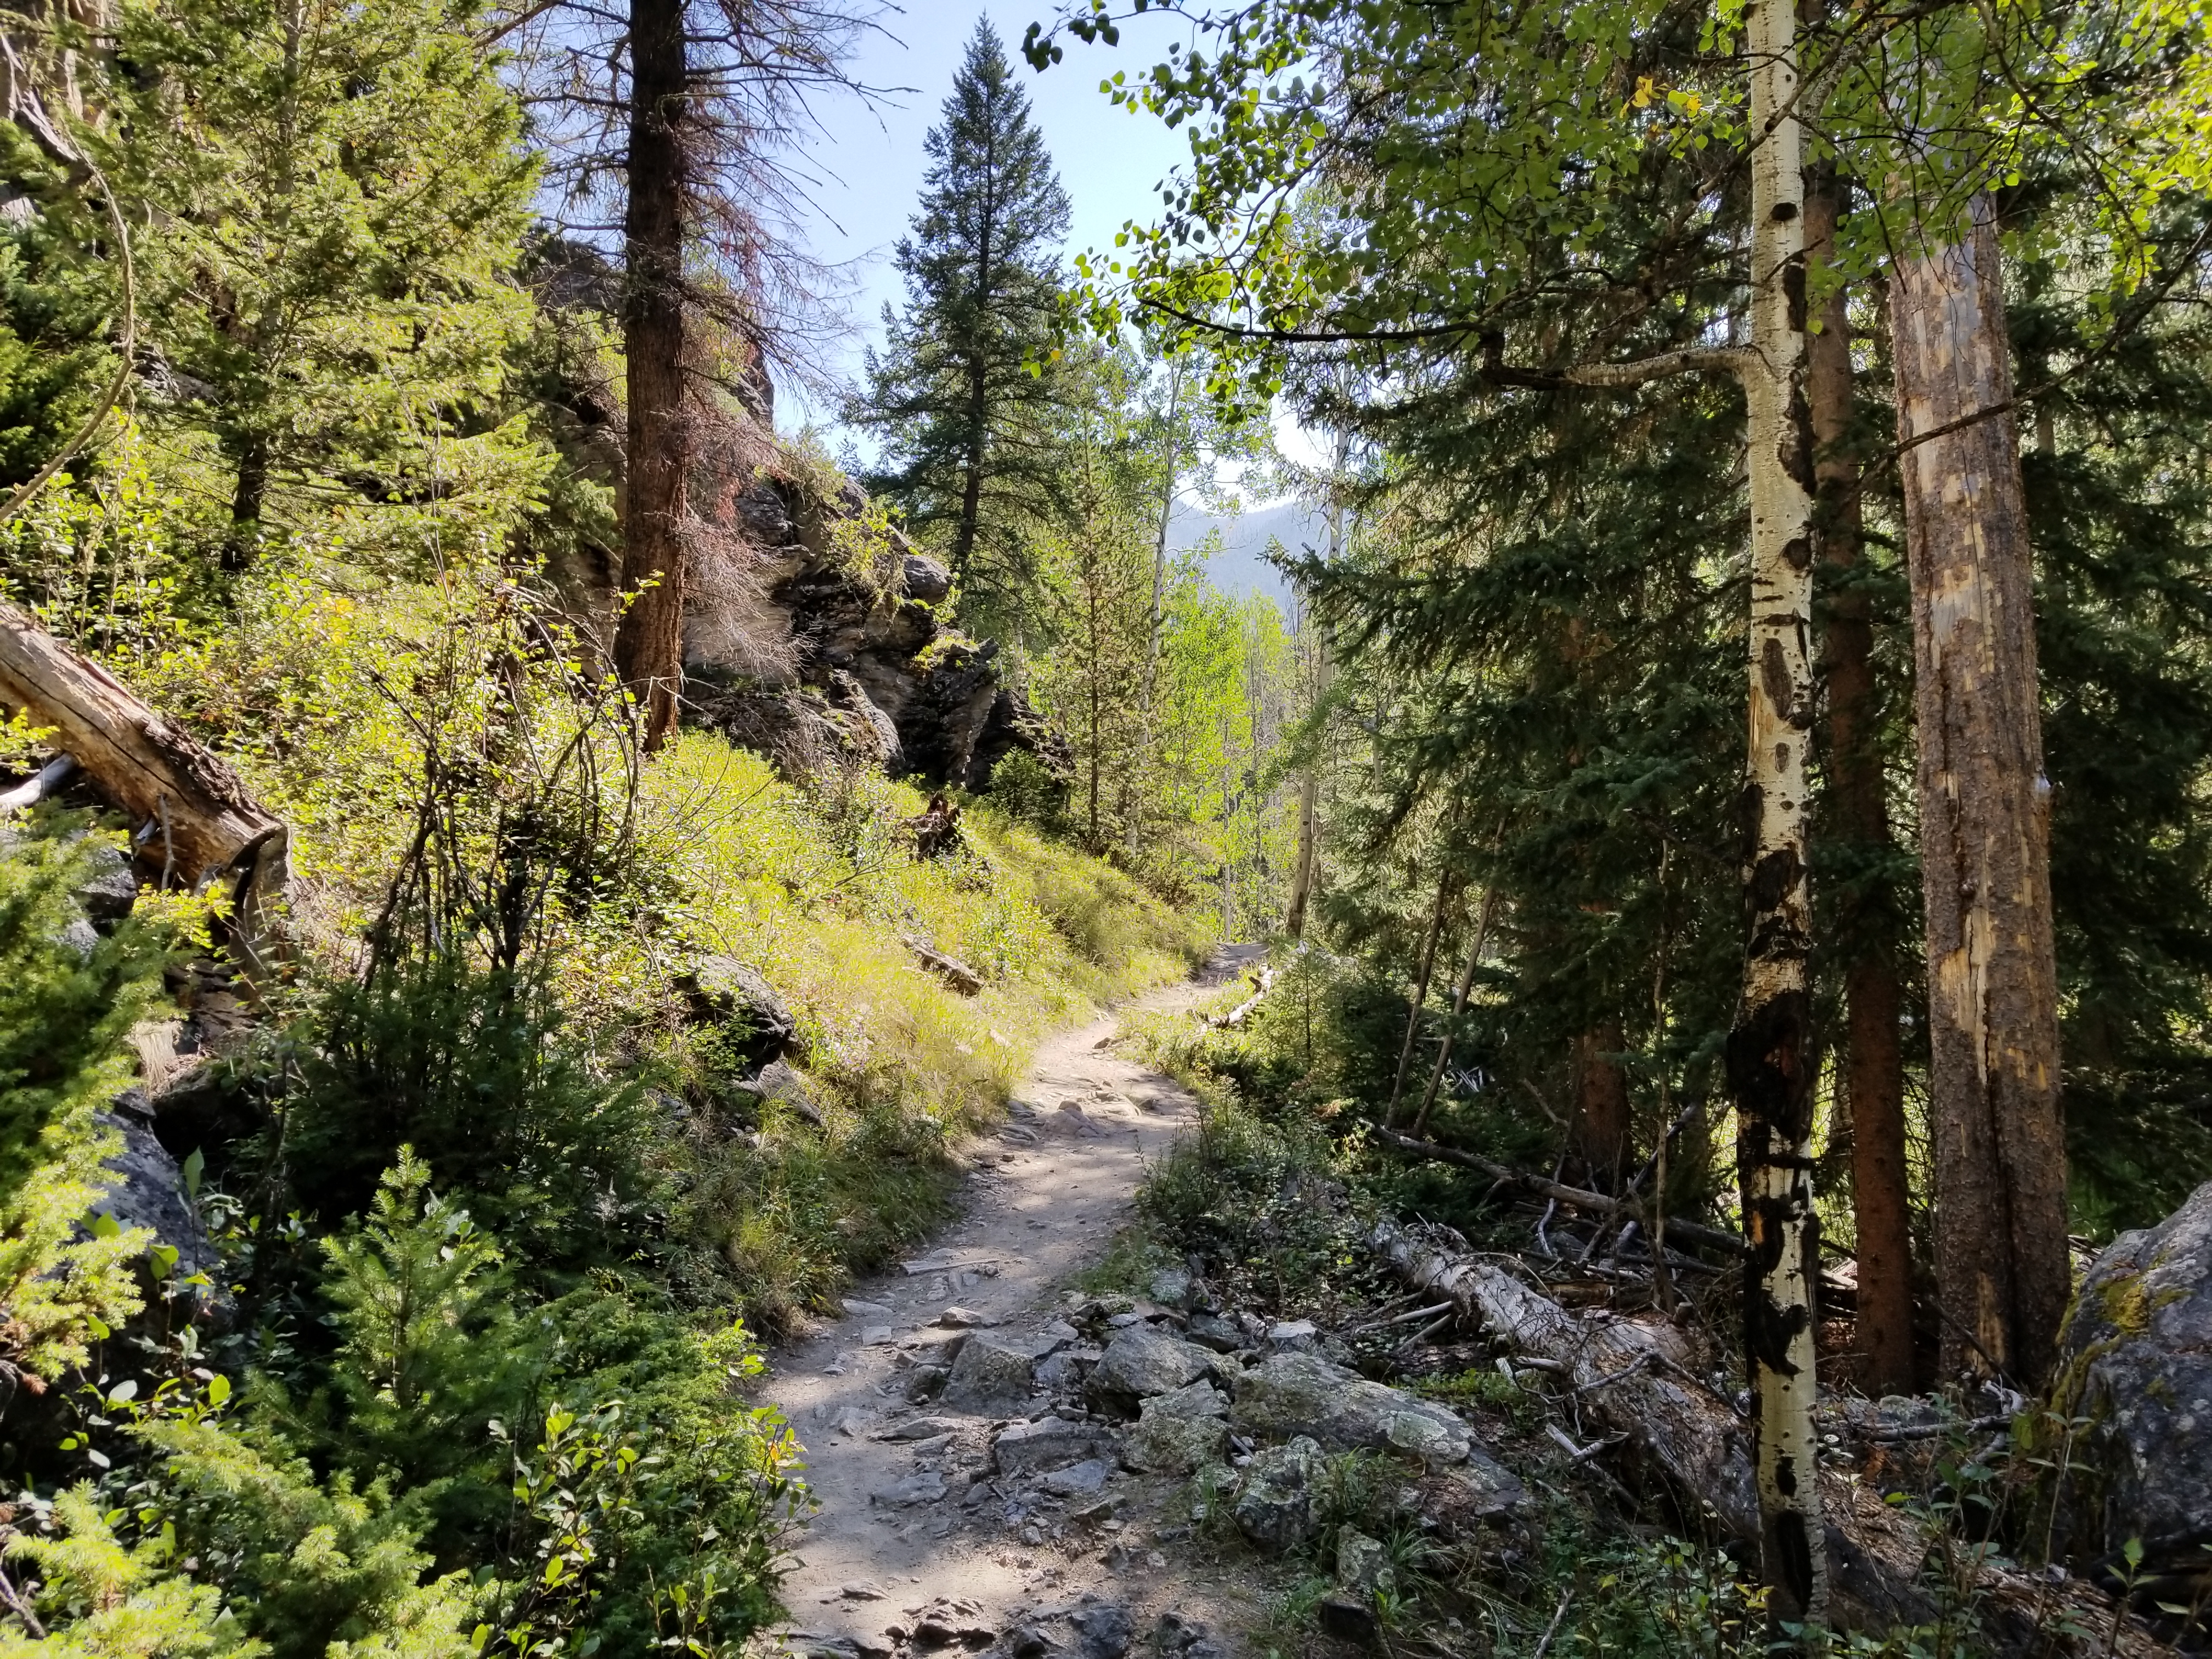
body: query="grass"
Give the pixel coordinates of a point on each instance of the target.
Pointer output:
(323, 687)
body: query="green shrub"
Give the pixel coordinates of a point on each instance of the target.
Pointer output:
(469, 1066)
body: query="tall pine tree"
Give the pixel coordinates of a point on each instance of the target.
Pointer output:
(973, 444)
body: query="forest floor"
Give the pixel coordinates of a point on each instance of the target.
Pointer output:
(918, 1542)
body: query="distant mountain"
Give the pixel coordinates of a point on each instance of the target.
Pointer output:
(1241, 566)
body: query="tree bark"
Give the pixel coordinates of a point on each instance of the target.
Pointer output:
(1770, 1050)
(649, 638)
(2002, 1268)
(247, 499)
(1874, 1066)
(1601, 1129)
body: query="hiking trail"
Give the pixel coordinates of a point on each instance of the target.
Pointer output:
(922, 1540)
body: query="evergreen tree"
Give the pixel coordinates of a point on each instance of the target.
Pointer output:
(340, 192)
(973, 450)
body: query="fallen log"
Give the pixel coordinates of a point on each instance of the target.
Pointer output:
(953, 971)
(1631, 1378)
(1262, 982)
(1676, 1230)
(186, 802)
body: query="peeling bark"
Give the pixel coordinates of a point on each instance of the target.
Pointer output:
(1874, 1066)
(2001, 1256)
(1770, 1050)
(649, 639)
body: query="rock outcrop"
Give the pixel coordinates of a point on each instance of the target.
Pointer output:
(2136, 1362)
(812, 629)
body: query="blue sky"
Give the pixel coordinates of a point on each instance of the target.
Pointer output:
(871, 160)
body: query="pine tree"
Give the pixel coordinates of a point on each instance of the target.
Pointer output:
(340, 192)
(973, 450)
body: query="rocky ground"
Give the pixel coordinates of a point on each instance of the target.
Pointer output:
(1005, 1462)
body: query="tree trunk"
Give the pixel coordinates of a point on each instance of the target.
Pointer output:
(1602, 1131)
(247, 499)
(1428, 964)
(2001, 1257)
(1874, 1066)
(1460, 995)
(1770, 1050)
(649, 638)
(971, 472)
(187, 802)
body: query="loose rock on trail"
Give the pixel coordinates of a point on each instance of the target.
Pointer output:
(969, 1498)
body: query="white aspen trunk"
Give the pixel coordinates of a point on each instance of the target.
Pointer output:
(1770, 1051)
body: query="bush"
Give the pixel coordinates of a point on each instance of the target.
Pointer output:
(469, 1065)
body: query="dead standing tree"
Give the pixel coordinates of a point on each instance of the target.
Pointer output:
(671, 125)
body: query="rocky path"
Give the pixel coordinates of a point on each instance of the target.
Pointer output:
(925, 1538)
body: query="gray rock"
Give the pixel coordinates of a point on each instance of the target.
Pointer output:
(1275, 1506)
(1142, 1361)
(1171, 1287)
(1065, 1369)
(1295, 1394)
(857, 1309)
(1179, 1431)
(1102, 1631)
(925, 1382)
(922, 1428)
(926, 1487)
(1491, 1489)
(1363, 1565)
(1177, 1633)
(1077, 1480)
(926, 579)
(2136, 1355)
(777, 1080)
(148, 1190)
(111, 887)
(1211, 1331)
(1294, 1336)
(1050, 1442)
(723, 991)
(989, 1378)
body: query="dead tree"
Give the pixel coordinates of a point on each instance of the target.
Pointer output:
(191, 811)
(2002, 1266)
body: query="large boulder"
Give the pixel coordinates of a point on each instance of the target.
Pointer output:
(1143, 1361)
(1302, 1394)
(2135, 1361)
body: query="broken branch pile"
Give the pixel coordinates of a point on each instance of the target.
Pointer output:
(1631, 1378)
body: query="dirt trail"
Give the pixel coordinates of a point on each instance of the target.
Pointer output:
(910, 1523)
